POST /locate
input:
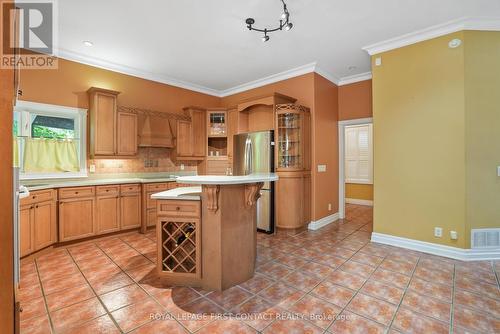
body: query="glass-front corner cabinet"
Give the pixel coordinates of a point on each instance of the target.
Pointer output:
(217, 123)
(293, 137)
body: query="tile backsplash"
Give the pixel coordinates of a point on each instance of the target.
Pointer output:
(148, 159)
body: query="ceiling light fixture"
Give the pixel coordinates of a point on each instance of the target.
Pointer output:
(88, 43)
(284, 23)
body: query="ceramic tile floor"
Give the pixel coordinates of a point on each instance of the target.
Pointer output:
(329, 281)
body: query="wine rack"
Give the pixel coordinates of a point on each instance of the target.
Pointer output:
(180, 246)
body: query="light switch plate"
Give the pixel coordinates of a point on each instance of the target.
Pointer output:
(378, 61)
(92, 168)
(498, 170)
(321, 168)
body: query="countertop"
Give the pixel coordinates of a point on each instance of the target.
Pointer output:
(183, 193)
(33, 185)
(227, 180)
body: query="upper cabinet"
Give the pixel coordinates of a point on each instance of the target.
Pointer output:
(191, 135)
(292, 137)
(111, 132)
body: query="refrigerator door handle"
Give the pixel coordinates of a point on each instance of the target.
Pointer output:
(248, 156)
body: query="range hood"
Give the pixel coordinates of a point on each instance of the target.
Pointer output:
(154, 131)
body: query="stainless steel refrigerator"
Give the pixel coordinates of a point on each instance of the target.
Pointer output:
(253, 153)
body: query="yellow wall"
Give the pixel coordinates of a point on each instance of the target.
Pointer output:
(482, 103)
(359, 191)
(419, 141)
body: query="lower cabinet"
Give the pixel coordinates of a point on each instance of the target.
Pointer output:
(130, 207)
(76, 218)
(293, 193)
(38, 222)
(149, 204)
(108, 211)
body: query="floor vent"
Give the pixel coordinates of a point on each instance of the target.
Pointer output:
(486, 238)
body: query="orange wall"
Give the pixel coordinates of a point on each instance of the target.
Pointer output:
(355, 100)
(325, 146)
(320, 95)
(69, 83)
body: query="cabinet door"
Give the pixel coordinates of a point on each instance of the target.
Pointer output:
(232, 128)
(199, 133)
(104, 124)
(25, 230)
(184, 139)
(44, 224)
(76, 218)
(107, 214)
(127, 134)
(130, 205)
(289, 200)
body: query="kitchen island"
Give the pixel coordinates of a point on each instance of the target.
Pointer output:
(206, 234)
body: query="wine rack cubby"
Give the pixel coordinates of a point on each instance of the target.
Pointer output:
(180, 247)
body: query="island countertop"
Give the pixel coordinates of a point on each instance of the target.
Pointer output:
(227, 180)
(182, 193)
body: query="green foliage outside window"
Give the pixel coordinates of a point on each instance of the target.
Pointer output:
(39, 131)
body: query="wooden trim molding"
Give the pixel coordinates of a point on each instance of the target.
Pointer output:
(148, 112)
(212, 192)
(252, 193)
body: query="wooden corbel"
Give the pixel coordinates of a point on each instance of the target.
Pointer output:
(252, 193)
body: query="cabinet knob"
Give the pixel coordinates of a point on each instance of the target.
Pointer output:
(20, 308)
(33, 197)
(76, 192)
(107, 190)
(178, 208)
(36, 206)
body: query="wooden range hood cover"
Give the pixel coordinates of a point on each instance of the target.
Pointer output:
(154, 128)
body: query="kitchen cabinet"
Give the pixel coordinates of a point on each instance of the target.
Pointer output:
(38, 221)
(130, 206)
(107, 209)
(232, 129)
(191, 135)
(76, 213)
(293, 165)
(102, 121)
(127, 133)
(149, 204)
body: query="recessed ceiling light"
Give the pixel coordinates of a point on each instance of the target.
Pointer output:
(88, 43)
(455, 43)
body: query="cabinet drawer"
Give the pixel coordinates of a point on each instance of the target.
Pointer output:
(130, 188)
(157, 186)
(178, 208)
(76, 192)
(150, 203)
(107, 190)
(39, 196)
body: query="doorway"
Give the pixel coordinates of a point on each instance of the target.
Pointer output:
(355, 163)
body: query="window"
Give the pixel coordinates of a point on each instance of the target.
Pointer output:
(50, 140)
(358, 154)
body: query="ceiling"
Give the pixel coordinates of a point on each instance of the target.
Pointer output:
(205, 44)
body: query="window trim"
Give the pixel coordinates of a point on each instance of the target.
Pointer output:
(80, 114)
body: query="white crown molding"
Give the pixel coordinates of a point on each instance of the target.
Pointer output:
(316, 225)
(465, 23)
(436, 249)
(359, 201)
(327, 75)
(355, 78)
(294, 72)
(79, 58)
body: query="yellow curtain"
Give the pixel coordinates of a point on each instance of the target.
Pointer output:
(15, 152)
(49, 155)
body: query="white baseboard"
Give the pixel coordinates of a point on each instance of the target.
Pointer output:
(316, 225)
(359, 201)
(436, 249)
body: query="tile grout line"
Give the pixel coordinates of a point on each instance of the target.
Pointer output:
(452, 308)
(93, 290)
(405, 290)
(140, 287)
(51, 324)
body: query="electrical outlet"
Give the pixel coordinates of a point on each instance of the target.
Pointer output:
(329, 206)
(321, 168)
(182, 166)
(453, 235)
(92, 168)
(378, 61)
(438, 232)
